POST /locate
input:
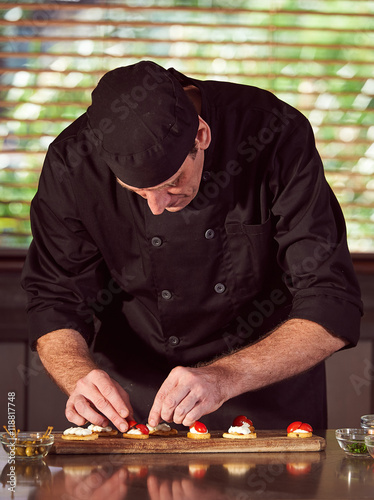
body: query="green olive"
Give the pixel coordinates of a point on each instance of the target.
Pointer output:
(29, 451)
(20, 451)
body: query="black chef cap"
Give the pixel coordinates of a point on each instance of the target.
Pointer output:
(143, 123)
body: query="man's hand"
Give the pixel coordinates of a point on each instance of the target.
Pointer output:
(98, 484)
(183, 488)
(97, 392)
(189, 393)
(66, 357)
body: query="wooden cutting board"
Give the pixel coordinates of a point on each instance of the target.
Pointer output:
(266, 441)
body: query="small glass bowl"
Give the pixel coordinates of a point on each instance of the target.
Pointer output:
(367, 423)
(27, 445)
(352, 441)
(369, 441)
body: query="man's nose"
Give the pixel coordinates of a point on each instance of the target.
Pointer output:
(158, 201)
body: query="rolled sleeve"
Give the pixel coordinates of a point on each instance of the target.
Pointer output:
(311, 237)
(336, 314)
(63, 266)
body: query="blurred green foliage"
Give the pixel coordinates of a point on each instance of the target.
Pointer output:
(317, 56)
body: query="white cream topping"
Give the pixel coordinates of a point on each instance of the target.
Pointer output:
(194, 431)
(77, 431)
(97, 428)
(237, 469)
(134, 431)
(160, 427)
(243, 429)
(135, 469)
(197, 468)
(75, 471)
(300, 431)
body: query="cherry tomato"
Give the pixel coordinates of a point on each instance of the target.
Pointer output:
(298, 469)
(299, 425)
(306, 427)
(143, 428)
(197, 472)
(141, 471)
(131, 423)
(199, 427)
(240, 420)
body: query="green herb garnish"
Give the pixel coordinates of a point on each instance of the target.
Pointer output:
(357, 448)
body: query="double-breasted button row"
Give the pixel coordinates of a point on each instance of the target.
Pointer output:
(218, 288)
(157, 241)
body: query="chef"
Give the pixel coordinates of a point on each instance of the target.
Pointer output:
(189, 259)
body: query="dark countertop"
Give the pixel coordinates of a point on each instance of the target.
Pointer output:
(204, 476)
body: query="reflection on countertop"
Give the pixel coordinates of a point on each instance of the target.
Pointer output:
(173, 477)
(204, 476)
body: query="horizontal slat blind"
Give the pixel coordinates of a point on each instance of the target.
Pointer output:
(317, 56)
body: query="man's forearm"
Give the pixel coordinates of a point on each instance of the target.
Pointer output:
(294, 347)
(66, 357)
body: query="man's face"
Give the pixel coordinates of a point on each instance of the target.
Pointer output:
(178, 191)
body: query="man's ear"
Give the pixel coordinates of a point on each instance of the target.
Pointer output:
(203, 136)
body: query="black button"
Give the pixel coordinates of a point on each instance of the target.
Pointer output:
(219, 288)
(165, 294)
(206, 175)
(173, 340)
(156, 241)
(209, 234)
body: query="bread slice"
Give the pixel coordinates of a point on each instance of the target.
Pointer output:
(296, 434)
(74, 437)
(191, 435)
(235, 435)
(135, 436)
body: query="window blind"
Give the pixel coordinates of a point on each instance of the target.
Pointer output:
(317, 56)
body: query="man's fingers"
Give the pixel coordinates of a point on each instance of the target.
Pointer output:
(159, 489)
(129, 412)
(98, 485)
(79, 411)
(114, 488)
(110, 392)
(108, 388)
(153, 488)
(155, 413)
(167, 399)
(72, 415)
(171, 403)
(196, 413)
(186, 395)
(97, 391)
(181, 412)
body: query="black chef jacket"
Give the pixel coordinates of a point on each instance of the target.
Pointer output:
(263, 241)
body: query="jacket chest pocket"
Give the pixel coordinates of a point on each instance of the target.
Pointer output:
(251, 248)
